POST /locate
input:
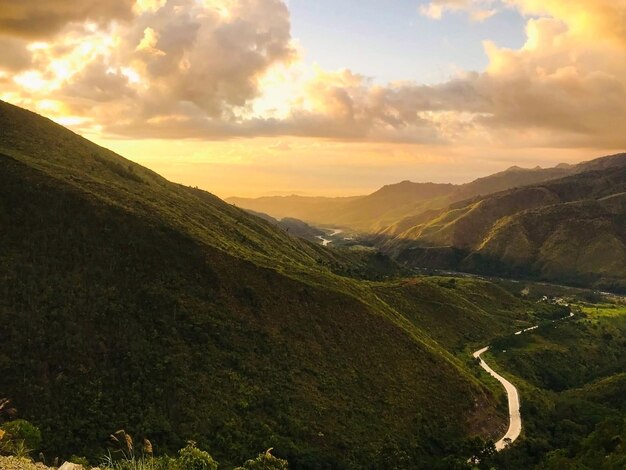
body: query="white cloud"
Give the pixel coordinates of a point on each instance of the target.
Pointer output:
(479, 10)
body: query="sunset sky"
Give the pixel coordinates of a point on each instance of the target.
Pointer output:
(324, 97)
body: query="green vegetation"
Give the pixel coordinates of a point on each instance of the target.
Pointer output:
(571, 377)
(19, 437)
(265, 461)
(129, 302)
(193, 458)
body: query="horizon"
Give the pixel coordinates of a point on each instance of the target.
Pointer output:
(260, 97)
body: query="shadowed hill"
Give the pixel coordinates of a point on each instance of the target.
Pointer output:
(131, 302)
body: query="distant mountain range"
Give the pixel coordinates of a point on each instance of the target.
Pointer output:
(394, 202)
(562, 224)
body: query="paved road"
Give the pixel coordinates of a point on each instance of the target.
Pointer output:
(515, 418)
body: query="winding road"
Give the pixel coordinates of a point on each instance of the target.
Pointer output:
(515, 418)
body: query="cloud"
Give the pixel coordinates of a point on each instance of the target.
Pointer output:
(41, 19)
(560, 88)
(193, 66)
(197, 69)
(592, 19)
(479, 10)
(15, 54)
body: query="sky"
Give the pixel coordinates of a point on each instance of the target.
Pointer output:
(324, 97)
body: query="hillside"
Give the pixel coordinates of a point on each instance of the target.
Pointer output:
(294, 227)
(514, 177)
(131, 302)
(570, 230)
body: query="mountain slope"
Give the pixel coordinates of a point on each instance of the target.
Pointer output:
(514, 177)
(294, 227)
(131, 302)
(572, 230)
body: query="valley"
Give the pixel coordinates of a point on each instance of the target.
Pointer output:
(130, 302)
(551, 224)
(126, 280)
(312, 235)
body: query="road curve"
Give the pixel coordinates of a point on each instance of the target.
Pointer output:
(515, 418)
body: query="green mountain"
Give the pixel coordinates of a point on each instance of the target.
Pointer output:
(570, 230)
(130, 302)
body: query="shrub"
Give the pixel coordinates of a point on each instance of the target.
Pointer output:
(20, 436)
(265, 461)
(192, 458)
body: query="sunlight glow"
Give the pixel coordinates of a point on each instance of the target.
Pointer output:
(31, 80)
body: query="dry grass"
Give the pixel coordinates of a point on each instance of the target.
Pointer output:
(15, 463)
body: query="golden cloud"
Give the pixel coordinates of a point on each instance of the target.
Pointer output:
(43, 18)
(195, 69)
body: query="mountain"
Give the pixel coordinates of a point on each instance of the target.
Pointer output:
(511, 178)
(394, 207)
(382, 207)
(130, 302)
(364, 213)
(570, 230)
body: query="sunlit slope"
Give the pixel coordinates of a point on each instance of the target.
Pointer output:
(131, 302)
(396, 207)
(572, 229)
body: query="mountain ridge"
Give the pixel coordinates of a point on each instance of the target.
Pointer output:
(392, 204)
